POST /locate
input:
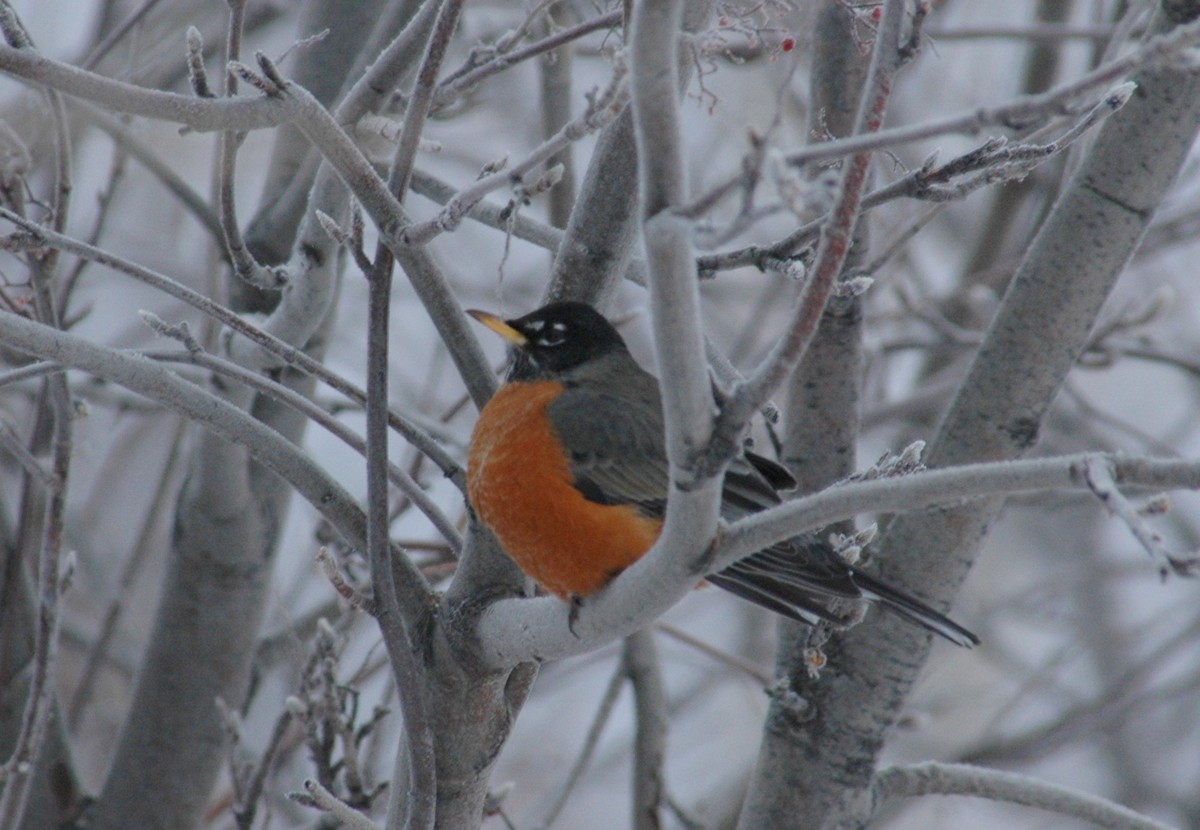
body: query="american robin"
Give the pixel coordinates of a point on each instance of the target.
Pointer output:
(568, 468)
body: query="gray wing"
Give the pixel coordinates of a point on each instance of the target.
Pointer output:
(617, 456)
(615, 445)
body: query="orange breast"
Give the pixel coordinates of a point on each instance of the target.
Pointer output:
(520, 485)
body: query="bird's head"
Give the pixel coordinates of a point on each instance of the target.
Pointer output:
(554, 339)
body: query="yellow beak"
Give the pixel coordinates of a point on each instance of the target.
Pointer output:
(498, 325)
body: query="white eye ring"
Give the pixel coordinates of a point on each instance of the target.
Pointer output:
(552, 335)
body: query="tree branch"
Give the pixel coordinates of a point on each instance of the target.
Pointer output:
(1008, 787)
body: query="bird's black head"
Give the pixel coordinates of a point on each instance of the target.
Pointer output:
(554, 339)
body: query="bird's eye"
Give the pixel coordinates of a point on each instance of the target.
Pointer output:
(554, 335)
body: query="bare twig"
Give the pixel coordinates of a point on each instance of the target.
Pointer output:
(724, 658)
(459, 82)
(640, 659)
(960, 779)
(748, 397)
(395, 474)
(248, 801)
(996, 161)
(965, 482)
(15, 447)
(397, 602)
(197, 73)
(244, 264)
(492, 215)
(602, 109)
(1040, 32)
(1018, 113)
(98, 650)
(289, 355)
(321, 798)
(157, 383)
(344, 589)
(201, 114)
(603, 712)
(19, 769)
(1099, 475)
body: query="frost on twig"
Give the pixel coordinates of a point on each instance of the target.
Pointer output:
(181, 332)
(602, 109)
(854, 285)
(318, 797)
(351, 593)
(1100, 479)
(10, 26)
(372, 126)
(352, 241)
(327, 709)
(197, 74)
(267, 80)
(996, 161)
(850, 546)
(908, 460)
(963, 779)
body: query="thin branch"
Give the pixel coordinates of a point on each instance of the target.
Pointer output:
(1099, 475)
(492, 215)
(97, 653)
(460, 82)
(200, 114)
(318, 796)
(15, 447)
(947, 485)
(395, 613)
(284, 101)
(1018, 113)
(126, 141)
(391, 218)
(119, 31)
(160, 384)
(244, 264)
(518, 630)
(834, 246)
(994, 785)
(248, 802)
(603, 712)
(724, 658)
(1055, 32)
(19, 770)
(369, 91)
(395, 474)
(602, 110)
(997, 159)
(421, 98)
(290, 356)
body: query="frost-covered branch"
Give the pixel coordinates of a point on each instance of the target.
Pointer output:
(1007, 787)
(517, 630)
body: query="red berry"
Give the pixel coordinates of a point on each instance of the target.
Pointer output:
(788, 44)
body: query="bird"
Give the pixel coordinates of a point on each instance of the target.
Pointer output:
(567, 467)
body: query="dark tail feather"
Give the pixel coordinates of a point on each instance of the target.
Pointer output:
(913, 610)
(800, 586)
(768, 596)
